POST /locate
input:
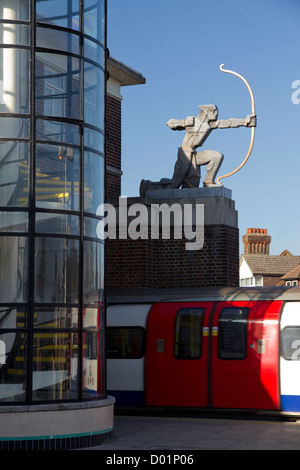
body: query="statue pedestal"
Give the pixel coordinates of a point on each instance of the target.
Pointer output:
(166, 263)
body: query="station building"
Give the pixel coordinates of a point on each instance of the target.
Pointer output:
(52, 178)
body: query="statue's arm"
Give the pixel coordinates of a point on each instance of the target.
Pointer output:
(249, 121)
(180, 124)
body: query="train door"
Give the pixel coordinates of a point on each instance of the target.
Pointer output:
(219, 355)
(177, 354)
(290, 357)
(244, 355)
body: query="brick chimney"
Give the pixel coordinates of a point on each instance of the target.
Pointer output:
(256, 241)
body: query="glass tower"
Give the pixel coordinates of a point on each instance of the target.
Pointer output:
(52, 118)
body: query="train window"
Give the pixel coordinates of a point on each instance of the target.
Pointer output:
(188, 333)
(233, 333)
(125, 342)
(290, 343)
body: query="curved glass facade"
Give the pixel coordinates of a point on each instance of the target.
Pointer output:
(52, 116)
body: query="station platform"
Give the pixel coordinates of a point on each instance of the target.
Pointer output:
(184, 434)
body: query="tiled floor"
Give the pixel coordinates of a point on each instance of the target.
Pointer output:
(165, 433)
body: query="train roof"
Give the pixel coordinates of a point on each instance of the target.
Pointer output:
(203, 294)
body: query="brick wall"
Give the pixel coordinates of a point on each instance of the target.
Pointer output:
(113, 147)
(135, 264)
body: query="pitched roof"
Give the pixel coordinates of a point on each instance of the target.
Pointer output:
(293, 274)
(272, 265)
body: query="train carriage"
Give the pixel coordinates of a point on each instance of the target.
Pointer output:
(215, 348)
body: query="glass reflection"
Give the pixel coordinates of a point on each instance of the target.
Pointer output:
(56, 270)
(57, 131)
(93, 174)
(14, 128)
(55, 373)
(57, 86)
(94, 139)
(13, 222)
(93, 272)
(20, 11)
(61, 40)
(57, 177)
(62, 224)
(56, 317)
(12, 317)
(93, 95)
(94, 19)
(12, 33)
(59, 13)
(14, 174)
(93, 364)
(13, 366)
(90, 227)
(14, 89)
(13, 269)
(93, 51)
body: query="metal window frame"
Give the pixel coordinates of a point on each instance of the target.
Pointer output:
(30, 330)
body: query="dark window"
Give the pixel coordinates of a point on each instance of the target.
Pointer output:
(233, 333)
(290, 343)
(125, 343)
(188, 333)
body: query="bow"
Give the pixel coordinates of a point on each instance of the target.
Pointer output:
(252, 128)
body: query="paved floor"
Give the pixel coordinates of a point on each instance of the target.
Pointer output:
(166, 433)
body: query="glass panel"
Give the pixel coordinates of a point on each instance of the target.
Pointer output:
(55, 366)
(58, 12)
(56, 270)
(14, 90)
(14, 128)
(57, 85)
(60, 40)
(94, 19)
(13, 352)
(20, 11)
(91, 317)
(13, 269)
(93, 272)
(56, 317)
(93, 182)
(12, 317)
(94, 51)
(90, 227)
(16, 34)
(290, 342)
(93, 364)
(93, 96)
(57, 131)
(13, 222)
(125, 343)
(14, 174)
(94, 140)
(188, 333)
(57, 177)
(62, 224)
(233, 333)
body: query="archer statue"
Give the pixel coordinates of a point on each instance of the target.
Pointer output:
(189, 160)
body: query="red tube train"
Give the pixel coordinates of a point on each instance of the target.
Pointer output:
(218, 348)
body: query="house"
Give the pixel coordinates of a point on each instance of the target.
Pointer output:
(259, 268)
(292, 278)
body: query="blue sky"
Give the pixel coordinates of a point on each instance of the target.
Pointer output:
(179, 46)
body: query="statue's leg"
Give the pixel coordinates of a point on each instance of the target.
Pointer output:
(192, 179)
(181, 170)
(213, 159)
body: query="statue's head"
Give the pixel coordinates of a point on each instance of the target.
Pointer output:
(209, 110)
